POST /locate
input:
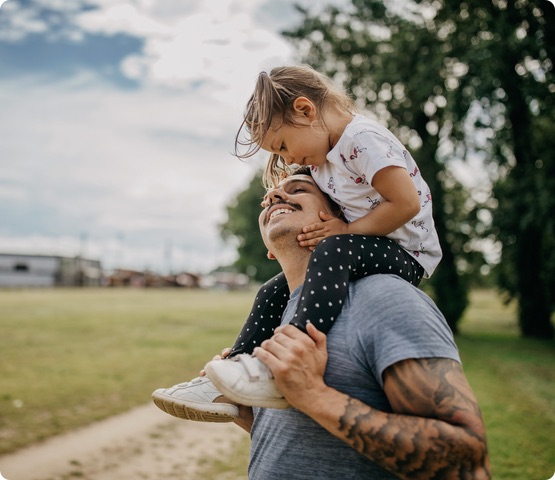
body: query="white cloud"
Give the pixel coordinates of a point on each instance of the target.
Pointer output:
(120, 18)
(18, 22)
(121, 174)
(147, 163)
(216, 47)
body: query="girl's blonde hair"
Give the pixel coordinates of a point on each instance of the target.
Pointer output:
(271, 105)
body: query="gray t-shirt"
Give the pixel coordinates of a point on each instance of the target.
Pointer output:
(384, 320)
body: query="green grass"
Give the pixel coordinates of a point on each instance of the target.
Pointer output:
(514, 380)
(69, 357)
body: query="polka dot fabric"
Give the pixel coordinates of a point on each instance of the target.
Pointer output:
(265, 315)
(335, 262)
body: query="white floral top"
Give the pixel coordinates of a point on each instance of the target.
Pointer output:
(365, 148)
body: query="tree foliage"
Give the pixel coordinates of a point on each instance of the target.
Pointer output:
(508, 51)
(457, 79)
(393, 68)
(454, 80)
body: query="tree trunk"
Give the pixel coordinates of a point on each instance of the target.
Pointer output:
(450, 292)
(534, 309)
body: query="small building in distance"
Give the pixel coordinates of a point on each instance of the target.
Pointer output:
(134, 278)
(26, 270)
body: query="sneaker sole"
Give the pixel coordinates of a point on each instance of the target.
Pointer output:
(278, 403)
(195, 412)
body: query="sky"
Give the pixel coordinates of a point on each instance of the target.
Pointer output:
(118, 120)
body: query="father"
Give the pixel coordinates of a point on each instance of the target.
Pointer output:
(382, 396)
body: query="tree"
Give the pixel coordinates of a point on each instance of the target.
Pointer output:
(465, 77)
(394, 68)
(241, 227)
(508, 52)
(454, 80)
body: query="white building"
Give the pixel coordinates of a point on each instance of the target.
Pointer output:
(20, 270)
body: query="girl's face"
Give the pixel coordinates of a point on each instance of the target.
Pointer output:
(305, 142)
(300, 144)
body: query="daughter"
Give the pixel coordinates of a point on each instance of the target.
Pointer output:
(301, 118)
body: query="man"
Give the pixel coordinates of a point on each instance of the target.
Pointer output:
(382, 396)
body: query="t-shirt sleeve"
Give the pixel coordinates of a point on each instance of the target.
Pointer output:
(407, 325)
(369, 151)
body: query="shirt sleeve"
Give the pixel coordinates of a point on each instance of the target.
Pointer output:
(368, 151)
(407, 325)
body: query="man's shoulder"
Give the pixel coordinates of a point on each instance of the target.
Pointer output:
(381, 284)
(387, 294)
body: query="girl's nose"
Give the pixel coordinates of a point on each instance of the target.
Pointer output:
(288, 159)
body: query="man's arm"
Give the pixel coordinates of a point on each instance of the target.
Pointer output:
(436, 430)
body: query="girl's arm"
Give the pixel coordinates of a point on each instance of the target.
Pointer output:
(401, 204)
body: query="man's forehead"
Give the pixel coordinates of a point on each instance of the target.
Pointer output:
(300, 178)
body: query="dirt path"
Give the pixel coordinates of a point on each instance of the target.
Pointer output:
(144, 443)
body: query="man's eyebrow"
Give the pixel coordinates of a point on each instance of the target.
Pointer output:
(300, 180)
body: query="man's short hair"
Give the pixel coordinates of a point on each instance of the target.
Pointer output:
(334, 207)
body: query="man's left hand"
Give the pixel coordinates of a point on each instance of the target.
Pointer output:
(297, 361)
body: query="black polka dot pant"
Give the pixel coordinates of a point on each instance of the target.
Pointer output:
(339, 259)
(265, 315)
(335, 262)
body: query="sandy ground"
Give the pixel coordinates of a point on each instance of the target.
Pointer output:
(144, 443)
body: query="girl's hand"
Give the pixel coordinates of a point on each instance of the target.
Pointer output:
(225, 352)
(313, 234)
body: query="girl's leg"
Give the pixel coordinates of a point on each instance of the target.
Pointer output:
(265, 315)
(343, 258)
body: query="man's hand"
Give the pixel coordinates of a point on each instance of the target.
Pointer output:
(316, 232)
(297, 361)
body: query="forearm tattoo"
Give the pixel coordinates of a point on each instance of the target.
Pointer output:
(436, 431)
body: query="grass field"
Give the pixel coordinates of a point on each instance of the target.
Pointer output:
(69, 357)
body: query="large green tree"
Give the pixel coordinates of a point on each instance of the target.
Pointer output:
(507, 49)
(394, 68)
(456, 79)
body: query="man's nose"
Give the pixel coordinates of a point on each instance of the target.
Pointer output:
(275, 195)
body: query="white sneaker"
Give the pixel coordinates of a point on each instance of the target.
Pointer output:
(194, 400)
(246, 380)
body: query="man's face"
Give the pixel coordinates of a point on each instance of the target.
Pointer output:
(295, 203)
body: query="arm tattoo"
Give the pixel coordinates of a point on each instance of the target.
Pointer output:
(436, 431)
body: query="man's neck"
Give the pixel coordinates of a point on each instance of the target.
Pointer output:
(294, 264)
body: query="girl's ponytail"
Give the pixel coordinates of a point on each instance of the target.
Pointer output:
(271, 105)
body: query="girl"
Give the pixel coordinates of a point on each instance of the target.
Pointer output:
(301, 118)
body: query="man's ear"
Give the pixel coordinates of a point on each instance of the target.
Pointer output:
(270, 255)
(305, 107)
